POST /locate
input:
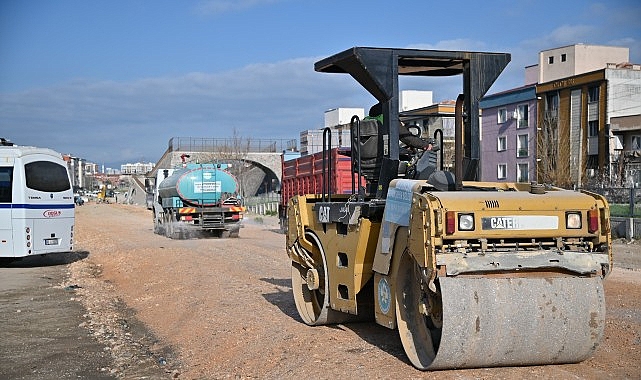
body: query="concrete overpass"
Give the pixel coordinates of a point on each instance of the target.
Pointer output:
(256, 163)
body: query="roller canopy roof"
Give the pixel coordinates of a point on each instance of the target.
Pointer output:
(376, 68)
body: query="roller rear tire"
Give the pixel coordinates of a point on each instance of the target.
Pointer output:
(310, 288)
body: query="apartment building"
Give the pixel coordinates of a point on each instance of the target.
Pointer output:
(136, 168)
(508, 130)
(338, 120)
(578, 144)
(623, 118)
(583, 105)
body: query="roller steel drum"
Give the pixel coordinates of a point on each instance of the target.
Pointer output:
(491, 322)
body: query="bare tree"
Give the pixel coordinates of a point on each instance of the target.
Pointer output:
(234, 151)
(553, 166)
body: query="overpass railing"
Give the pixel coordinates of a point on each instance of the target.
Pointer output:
(230, 145)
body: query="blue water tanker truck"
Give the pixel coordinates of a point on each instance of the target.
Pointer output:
(197, 199)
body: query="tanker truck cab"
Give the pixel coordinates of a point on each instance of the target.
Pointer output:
(471, 274)
(155, 204)
(195, 200)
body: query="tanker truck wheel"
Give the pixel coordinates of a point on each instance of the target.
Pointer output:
(419, 314)
(171, 229)
(310, 285)
(168, 224)
(233, 232)
(159, 226)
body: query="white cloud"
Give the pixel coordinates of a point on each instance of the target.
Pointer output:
(633, 44)
(111, 121)
(614, 23)
(561, 36)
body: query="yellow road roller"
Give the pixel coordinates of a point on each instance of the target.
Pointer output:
(472, 274)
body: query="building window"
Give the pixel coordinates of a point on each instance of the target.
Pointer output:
(522, 116)
(551, 60)
(564, 57)
(501, 144)
(593, 128)
(551, 105)
(593, 94)
(552, 101)
(522, 146)
(502, 115)
(522, 174)
(636, 143)
(501, 171)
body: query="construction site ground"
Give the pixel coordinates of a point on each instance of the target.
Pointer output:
(131, 304)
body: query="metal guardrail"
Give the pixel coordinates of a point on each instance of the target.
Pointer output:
(628, 228)
(624, 201)
(230, 145)
(263, 198)
(263, 204)
(625, 210)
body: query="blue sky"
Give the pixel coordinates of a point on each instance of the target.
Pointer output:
(113, 81)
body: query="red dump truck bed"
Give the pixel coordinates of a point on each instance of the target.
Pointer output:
(304, 175)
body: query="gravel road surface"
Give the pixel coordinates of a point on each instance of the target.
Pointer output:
(131, 304)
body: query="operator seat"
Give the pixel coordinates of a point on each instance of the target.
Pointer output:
(370, 147)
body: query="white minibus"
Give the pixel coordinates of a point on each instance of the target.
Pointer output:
(36, 202)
